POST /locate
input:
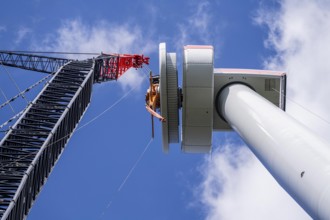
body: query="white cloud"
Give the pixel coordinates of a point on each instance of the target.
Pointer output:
(2, 28)
(201, 17)
(197, 27)
(21, 34)
(237, 186)
(132, 79)
(76, 36)
(300, 37)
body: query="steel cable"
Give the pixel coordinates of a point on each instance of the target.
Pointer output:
(4, 95)
(14, 82)
(127, 176)
(23, 92)
(12, 118)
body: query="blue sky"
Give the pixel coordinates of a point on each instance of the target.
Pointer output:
(230, 183)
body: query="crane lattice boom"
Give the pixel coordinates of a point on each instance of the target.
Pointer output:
(107, 66)
(31, 147)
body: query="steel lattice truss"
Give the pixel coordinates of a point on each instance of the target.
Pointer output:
(33, 145)
(32, 62)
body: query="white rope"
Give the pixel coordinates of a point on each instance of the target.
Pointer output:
(133, 167)
(107, 109)
(127, 177)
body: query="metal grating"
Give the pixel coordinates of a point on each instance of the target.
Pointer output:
(31, 148)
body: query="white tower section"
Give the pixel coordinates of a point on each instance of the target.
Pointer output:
(298, 159)
(197, 105)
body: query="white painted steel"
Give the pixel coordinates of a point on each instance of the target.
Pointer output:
(267, 83)
(172, 117)
(197, 106)
(168, 97)
(163, 93)
(297, 158)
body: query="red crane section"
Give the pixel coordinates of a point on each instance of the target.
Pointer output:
(112, 66)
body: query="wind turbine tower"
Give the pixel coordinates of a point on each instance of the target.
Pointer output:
(250, 102)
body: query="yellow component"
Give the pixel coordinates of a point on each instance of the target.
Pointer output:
(152, 96)
(153, 101)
